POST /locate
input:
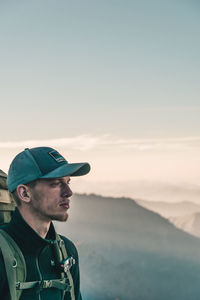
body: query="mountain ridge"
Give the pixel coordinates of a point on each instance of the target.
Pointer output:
(118, 235)
(168, 209)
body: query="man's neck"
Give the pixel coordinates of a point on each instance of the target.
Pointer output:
(38, 224)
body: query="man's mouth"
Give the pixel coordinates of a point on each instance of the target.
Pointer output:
(65, 205)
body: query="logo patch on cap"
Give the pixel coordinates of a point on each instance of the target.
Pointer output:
(57, 156)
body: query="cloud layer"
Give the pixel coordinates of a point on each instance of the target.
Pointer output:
(86, 142)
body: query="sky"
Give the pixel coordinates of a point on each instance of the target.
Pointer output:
(112, 82)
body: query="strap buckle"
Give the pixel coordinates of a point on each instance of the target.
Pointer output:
(18, 284)
(67, 263)
(45, 284)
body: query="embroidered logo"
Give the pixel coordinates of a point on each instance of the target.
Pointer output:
(57, 156)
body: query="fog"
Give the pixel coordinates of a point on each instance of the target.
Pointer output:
(141, 189)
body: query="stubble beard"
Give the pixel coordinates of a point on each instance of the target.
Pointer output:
(60, 218)
(39, 210)
(41, 213)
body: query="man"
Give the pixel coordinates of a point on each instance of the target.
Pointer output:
(39, 179)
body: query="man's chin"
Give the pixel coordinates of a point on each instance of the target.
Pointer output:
(62, 218)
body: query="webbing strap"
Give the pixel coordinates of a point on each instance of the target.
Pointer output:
(65, 255)
(14, 263)
(8, 260)
(44, 284)
(65, 284)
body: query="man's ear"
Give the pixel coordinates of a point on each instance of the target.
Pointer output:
(23, 193)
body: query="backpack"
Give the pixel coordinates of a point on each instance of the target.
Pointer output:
(7, 204)
(14, 260)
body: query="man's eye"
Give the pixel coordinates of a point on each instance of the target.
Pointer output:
(54, 184)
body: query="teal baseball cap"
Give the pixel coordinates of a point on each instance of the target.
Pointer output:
(41, 162)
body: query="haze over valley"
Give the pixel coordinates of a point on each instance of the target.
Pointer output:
(131, 253)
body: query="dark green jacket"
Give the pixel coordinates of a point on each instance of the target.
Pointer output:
(38, 254)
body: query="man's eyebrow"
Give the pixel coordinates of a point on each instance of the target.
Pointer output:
(62, 179)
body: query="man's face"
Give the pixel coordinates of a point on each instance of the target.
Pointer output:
(50, 199)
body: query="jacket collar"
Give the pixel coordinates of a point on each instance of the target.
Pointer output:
(26, 238)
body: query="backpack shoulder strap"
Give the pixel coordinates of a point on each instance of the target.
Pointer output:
(64, 255)
(14, 263)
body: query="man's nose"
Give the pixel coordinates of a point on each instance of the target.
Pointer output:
(66, 191)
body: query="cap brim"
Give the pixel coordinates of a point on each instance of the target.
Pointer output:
(75, 169)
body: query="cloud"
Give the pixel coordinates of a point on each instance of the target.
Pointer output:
(82, 142)
(87, 142)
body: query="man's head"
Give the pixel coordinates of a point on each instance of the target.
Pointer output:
(45, 199)
(40, 170)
